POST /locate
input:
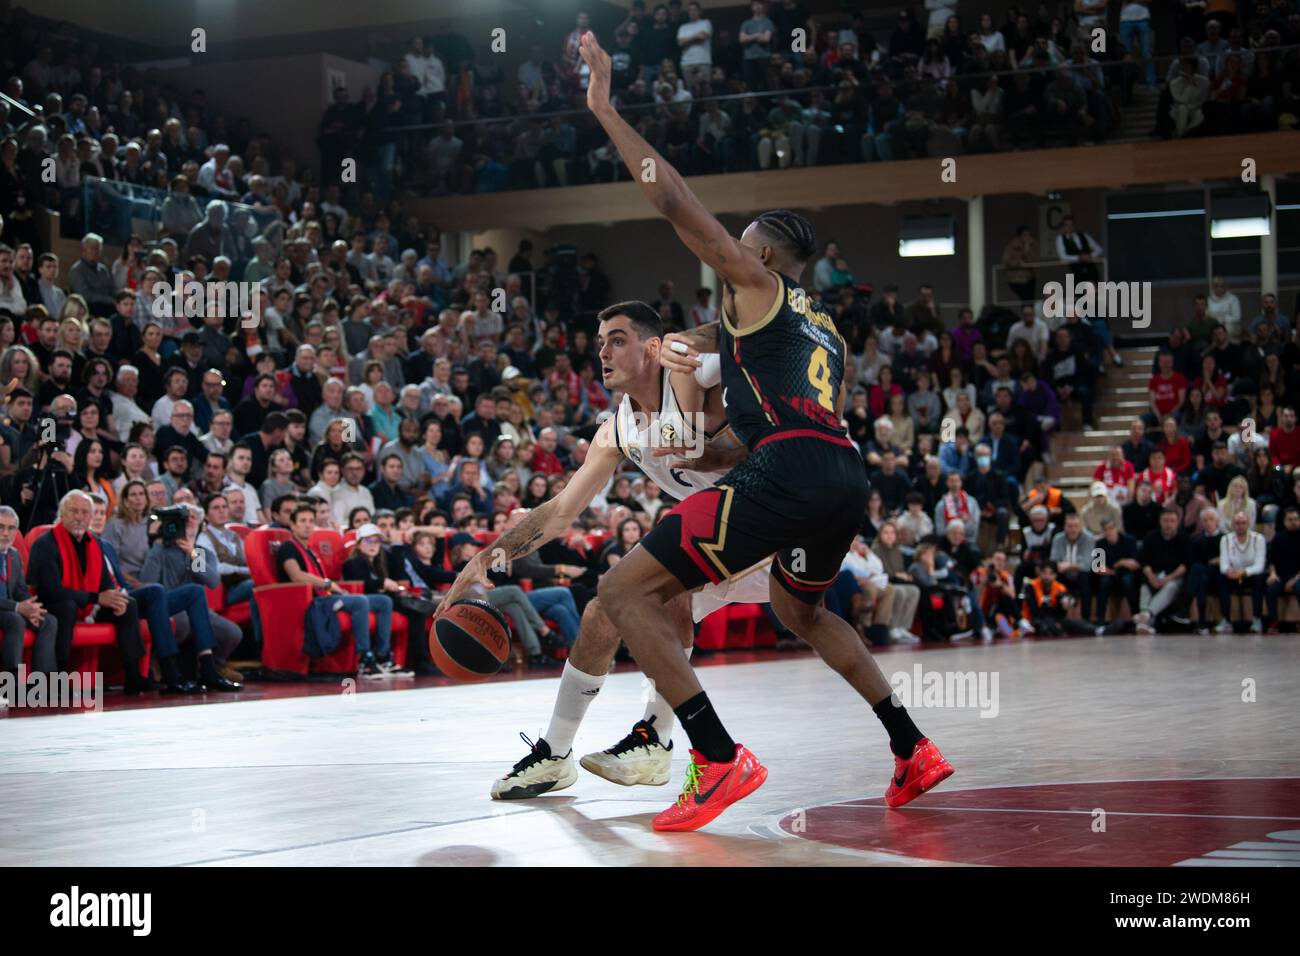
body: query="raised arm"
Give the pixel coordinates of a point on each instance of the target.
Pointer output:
(664, 187)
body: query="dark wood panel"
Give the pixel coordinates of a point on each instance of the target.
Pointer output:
(1023, 172)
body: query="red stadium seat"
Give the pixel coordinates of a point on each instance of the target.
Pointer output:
(282, 608)
(94, 648)
(329, 544)
(240, 529)
(35, 533)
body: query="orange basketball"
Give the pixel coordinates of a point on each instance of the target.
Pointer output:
(471, 641)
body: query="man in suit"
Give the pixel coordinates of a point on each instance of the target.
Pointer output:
(74, 580)
(19, 610)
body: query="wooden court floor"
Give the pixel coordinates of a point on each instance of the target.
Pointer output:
(1117, 751)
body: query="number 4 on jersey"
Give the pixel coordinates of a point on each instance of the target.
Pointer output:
(819, 376)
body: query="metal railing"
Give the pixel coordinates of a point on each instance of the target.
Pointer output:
(1055, 270)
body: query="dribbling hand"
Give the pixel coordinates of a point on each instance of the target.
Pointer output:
(473, 573)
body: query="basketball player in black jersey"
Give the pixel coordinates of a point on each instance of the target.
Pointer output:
(799, 495)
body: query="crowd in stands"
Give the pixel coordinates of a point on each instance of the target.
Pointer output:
(1203, 498)
(380, 388)
(766, 85)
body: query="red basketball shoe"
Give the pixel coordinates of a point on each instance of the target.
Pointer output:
(711, 788)
(925, 769)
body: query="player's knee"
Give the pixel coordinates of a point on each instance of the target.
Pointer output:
(612, 590)
(596, 633)
(793, 614)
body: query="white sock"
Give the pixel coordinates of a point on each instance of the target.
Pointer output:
(664, 718)
(577, 691)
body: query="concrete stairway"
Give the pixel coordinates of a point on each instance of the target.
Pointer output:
(1121, 397)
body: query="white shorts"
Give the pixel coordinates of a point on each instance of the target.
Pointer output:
(750, 586)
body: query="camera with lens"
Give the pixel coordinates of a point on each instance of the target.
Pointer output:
(172, 523)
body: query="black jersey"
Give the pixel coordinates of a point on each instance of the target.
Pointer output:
(783, 374)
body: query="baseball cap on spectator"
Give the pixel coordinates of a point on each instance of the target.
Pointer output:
(461, 537)
(371, 530)
(1098, 488)
(509, 373)
(191, 338)
(20, 392)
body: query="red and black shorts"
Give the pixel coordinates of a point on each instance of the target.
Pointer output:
(798, 497)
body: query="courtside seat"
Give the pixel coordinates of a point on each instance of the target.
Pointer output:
(240, 614)
(282, 608)
(31, 536)
(94, 648)
(329, 544)
(736, 627)
(240, 529)
(88, 640)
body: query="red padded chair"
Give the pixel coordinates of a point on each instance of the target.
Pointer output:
(31, 536)
(329, 545)
(94, 646)
(282, 608)
(240, 529)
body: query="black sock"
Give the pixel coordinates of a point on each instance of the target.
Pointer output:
(707, 734)
(208, 668)
(171, 674)
(903, 735)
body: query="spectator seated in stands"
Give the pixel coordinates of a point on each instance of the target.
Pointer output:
(510, 599)
(1242, 565)
(218, 538)
(1047, 604)
(1071, 555)
(180, 565)
(1165, 559)
(957, 505)
(297, 563)
(74, 583)
(20, 609)
(1283, 579)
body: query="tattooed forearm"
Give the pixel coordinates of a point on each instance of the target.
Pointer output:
(527, 536)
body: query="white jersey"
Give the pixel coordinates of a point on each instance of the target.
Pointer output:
(638, 434)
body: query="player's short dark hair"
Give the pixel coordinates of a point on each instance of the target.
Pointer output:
(302, 509)
(791, 231)
(644, 319)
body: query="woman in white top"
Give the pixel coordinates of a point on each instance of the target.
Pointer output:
(1242, 554)
(1224, 307)
(989, 37)
(328, 484)
(1237, 499)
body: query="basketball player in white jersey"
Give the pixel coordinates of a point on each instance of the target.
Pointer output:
(660, 412)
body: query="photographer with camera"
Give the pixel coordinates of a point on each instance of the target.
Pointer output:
(45, 473)
(75, 582)
(185, 569)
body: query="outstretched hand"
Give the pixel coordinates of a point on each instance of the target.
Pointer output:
(597, 61)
